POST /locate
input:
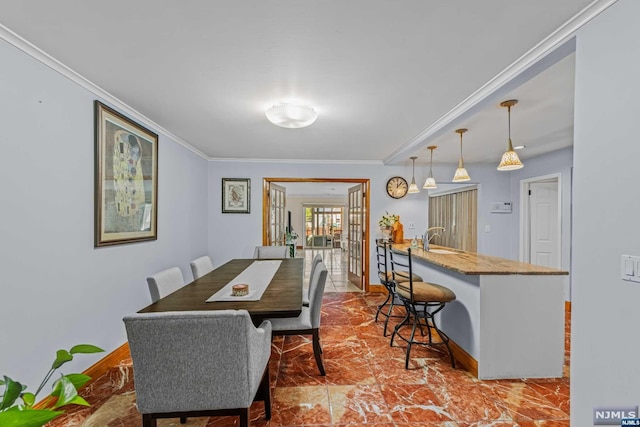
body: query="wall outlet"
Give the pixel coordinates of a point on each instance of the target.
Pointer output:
(411, 226)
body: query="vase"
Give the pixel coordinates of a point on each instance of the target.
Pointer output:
(386, 233)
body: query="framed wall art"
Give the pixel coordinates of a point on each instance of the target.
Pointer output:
(236, 195)
(126, 179)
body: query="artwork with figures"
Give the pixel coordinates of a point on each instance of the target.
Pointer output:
(126, 179)
(236, 195)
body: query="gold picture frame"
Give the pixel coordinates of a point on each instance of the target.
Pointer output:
(126, 179)
(236, 195)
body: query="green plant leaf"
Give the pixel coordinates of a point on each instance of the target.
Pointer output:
(85, 348)
(14, 417)
(12, 391)
(66, 390)
(29, 399)
(79, 400)
(78, 380)
(62, 357)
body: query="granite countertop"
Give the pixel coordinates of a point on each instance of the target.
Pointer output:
(474, 264)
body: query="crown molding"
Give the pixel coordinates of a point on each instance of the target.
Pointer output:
(551, 49)
(298, 161)
(46, 59)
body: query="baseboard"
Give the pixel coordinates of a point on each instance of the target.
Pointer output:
(377, 288)
(464, 358)
(95, 371)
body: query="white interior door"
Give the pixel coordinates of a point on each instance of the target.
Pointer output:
(277, 217)
(356, 208)
(544, 231)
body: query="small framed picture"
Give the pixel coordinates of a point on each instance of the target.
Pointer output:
(126, 179)
(236, 195)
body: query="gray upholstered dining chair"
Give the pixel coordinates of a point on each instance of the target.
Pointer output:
(308, 322)
(271, 252)
(201, 266)
(199, 363)
(165, 282)
(314, 263)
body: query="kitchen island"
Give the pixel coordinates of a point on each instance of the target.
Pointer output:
(508, 317)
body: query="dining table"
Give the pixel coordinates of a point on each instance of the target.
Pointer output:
(282, 297)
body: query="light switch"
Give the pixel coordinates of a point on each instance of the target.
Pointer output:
(630, 268)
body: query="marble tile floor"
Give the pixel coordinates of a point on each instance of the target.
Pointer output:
(366, 384)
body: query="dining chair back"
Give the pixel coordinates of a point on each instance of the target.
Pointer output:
(201, 266)
(271, 252)
(314, 263)
(165, 282)
(198, 363)
(308, 322)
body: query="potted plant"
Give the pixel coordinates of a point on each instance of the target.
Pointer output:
(386, 224)
(17, 405)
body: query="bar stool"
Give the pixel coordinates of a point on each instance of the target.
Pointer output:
(386, 279)
(423, 301)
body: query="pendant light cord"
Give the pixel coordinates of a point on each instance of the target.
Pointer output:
(431, 164)
(509, 121)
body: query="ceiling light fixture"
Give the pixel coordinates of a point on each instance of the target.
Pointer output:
(510, 160)
(461, 173)
(291, 116)
(430, 183)
(413, 188)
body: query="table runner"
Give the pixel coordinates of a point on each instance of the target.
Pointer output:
(258, 276)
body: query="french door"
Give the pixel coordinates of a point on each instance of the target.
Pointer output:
(357, 231)
(277, 217)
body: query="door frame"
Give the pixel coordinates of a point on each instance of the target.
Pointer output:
(525, 217)
(266, 183)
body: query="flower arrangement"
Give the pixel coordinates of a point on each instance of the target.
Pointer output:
(388, 220)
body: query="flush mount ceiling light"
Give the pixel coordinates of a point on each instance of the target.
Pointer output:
(430, 183)
(413, 188)
(291, 116)
(461, 173)
(510, 160)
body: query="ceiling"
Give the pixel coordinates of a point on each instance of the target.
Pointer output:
(379, 72)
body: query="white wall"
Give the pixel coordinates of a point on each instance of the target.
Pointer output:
(605, 318)
(56, 289)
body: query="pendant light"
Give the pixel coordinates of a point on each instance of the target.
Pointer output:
(510, 160)
(461, 173)
(413, 188)
(430, 183)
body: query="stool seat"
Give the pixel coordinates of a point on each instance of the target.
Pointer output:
(425, 292)
(401, 276)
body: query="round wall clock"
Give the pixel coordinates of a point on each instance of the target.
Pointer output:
(397, 187)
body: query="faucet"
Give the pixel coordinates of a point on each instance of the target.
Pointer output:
(426, 239)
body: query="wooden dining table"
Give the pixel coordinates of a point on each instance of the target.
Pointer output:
(282, 298)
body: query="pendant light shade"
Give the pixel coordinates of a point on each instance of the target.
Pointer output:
(430, 183)
(413, 188)
(510, 160)
(461, 174)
